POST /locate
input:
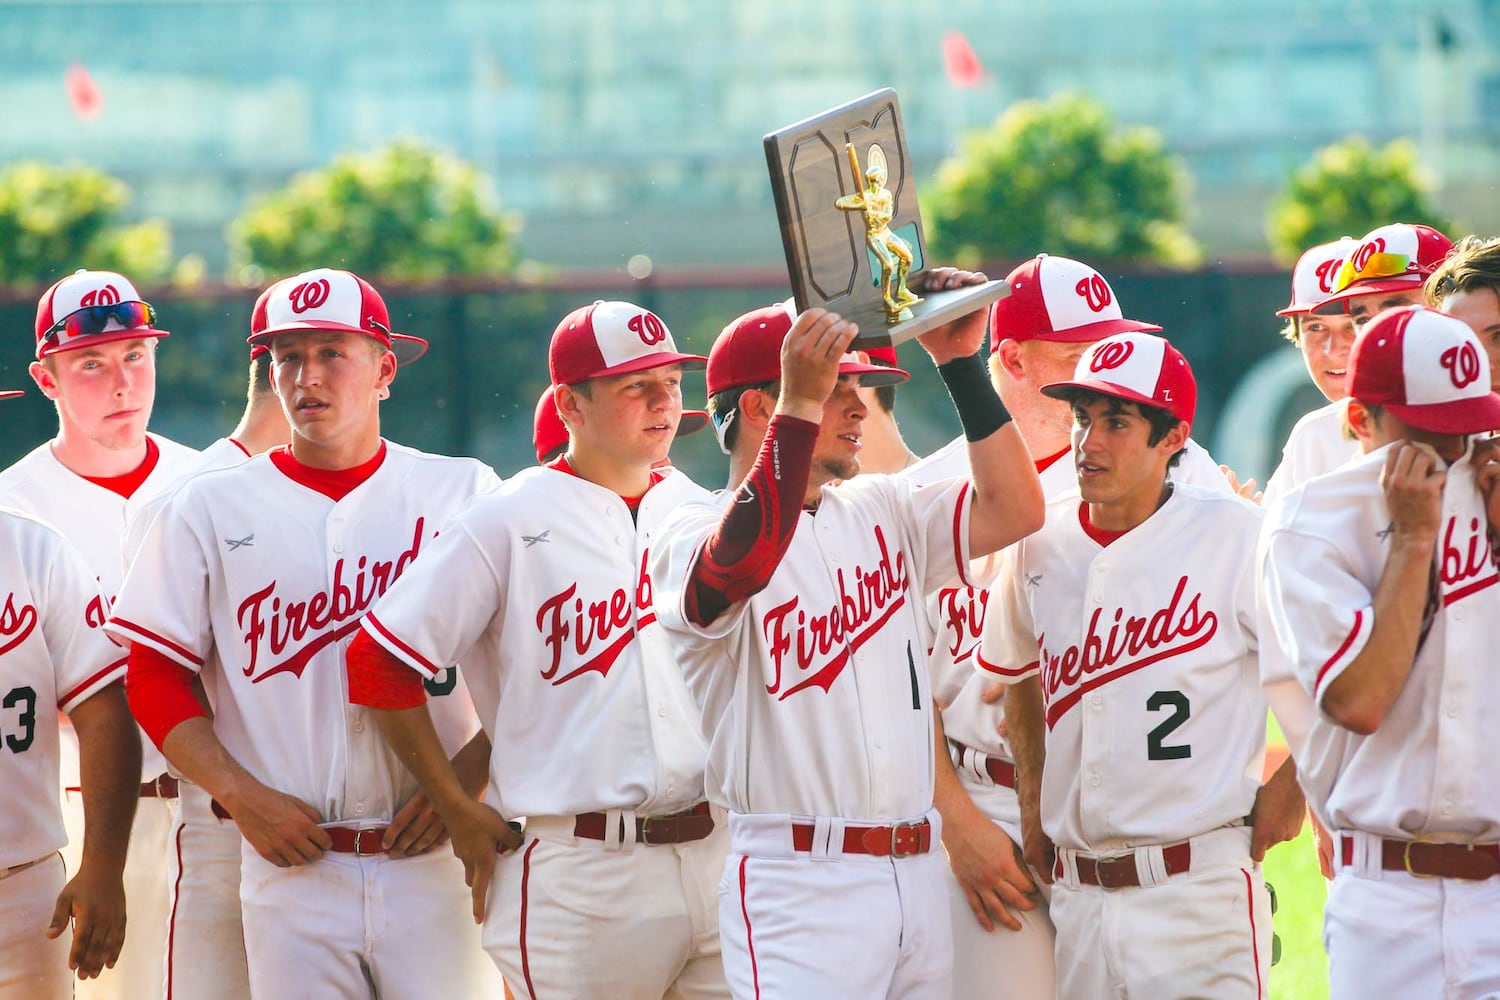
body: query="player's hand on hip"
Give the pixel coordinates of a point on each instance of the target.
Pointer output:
(1323, 841)
(963, 336)
(1037, 847)
(284, 830)
(986, 864)
(810, 357)
(479, 836)
(1413, 479)
(1279, 811)
(95, 904)
(415, 829)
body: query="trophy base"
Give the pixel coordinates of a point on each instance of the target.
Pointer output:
(935, 309)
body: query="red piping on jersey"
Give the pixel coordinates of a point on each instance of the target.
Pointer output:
(958, 537)
(335, 484)
(160, 691)
(65, 699)
(995, 668)
(127, 484)
(1359, 616)
(1472, 588)
(525, 882)
(432, 669)
(176, 895)
(247, 455)
(749, 938)
(379, 679)
(145, 633)
(1260, 989)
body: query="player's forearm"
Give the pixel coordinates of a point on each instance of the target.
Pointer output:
(1359, 698)
(109, 758)
(1025, 730)
(413, 738)
(472, 765)
(948, 795)
(194, 750)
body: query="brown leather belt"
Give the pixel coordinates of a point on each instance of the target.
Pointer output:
(348, 840)
(1120, 872)
(164, 787)
(899, 840)
(1001, 772)
(678, 828)
(1474, 862)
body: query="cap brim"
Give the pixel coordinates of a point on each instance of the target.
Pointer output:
(407, 348)
(1298, 309)
(107, 337)
(873, 375)
(1460, 416)
(13, 393)
(1062, 390)
(1090, 332)
(646, 362)
(692, 422)
(1335, 303)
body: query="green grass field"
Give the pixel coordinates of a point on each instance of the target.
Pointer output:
(1302, 973)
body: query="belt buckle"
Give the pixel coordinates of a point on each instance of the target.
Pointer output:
(647, 824)
(1102, 880)
(913, 845)
(1406, 857)
(359, 848)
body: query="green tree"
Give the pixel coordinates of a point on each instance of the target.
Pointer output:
(406, 212)
(56, 219)
(1059, 176)
(1347, 189)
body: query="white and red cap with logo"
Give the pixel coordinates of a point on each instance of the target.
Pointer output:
(83, 290)
(748, 352)
(1316, 275)
(1059, 299)
(612, 338)
(549, 434)
(1394, 258)
(1138, 367)
(1427, 369)
(327, 299)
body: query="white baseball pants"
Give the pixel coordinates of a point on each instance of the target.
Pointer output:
(31, 967)
(205, 935)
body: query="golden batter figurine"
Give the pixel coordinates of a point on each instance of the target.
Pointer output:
(877, 204)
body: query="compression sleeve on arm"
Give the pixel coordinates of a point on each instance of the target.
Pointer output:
(160, 692)
(379, 679)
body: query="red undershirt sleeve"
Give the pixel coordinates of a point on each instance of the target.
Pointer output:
(739, 557)
(160, 692)
(379, 679)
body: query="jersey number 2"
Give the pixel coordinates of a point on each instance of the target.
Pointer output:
(1156, 748)
(26, 698)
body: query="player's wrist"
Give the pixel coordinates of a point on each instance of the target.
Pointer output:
(980, 409)
(800, 408)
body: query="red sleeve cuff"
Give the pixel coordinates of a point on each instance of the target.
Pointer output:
(160, 692)
(379, 679)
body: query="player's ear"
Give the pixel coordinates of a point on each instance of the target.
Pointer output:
(566, 398)
(756, 407)
(388, 366)
(44, 378)
(1176, 439)
(1359, 423)
(1007, 358)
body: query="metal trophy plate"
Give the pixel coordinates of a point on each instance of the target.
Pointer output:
(846, 199)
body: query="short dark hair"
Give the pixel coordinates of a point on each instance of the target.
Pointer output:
(1473, 263)
(727, 401)
(1160, 420)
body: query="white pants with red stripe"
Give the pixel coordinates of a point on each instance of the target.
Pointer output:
(140, 972)
(205, 936)
(31, 967)
(575, 918)
(1001, 964)
(1203, 933)
(356, 928)
(796, 926)
(1390, 933)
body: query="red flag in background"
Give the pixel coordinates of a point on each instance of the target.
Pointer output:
(83, 94)
(962, 65)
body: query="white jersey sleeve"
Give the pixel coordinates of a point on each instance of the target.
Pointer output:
(1316, 445)
(1008, 648)
(164, 602)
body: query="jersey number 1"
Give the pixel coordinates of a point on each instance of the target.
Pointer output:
(1156, 747)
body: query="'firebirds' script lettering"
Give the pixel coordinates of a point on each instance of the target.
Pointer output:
(290, 622)
(15, 623)
(565, 615)
(963, 609)
(1462, 564)
(1139, 642)
(853, 619)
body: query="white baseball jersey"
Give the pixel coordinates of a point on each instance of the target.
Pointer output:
(1425, 773)
(1316, 445)
(814, 691)
(273, 577)
(542, 589)
(1146, 652)
(52, 656)
(93, 519)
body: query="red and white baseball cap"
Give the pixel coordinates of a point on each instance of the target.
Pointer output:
(1316, 275)
(1139, 367)
(612, 338)
(748, 352)
(550, 435)
(1394, 258)
(327, 299)
(1059, 299)
(1426, 368)
(92, 307)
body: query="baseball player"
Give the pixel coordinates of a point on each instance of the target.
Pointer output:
(1378, 583)
(1386, 270)
(256, 576)
(795, 608)
(549, 435)
(96, 360)
(1126, 627)
(543, 591)
(1467, 286)
(56, 658)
